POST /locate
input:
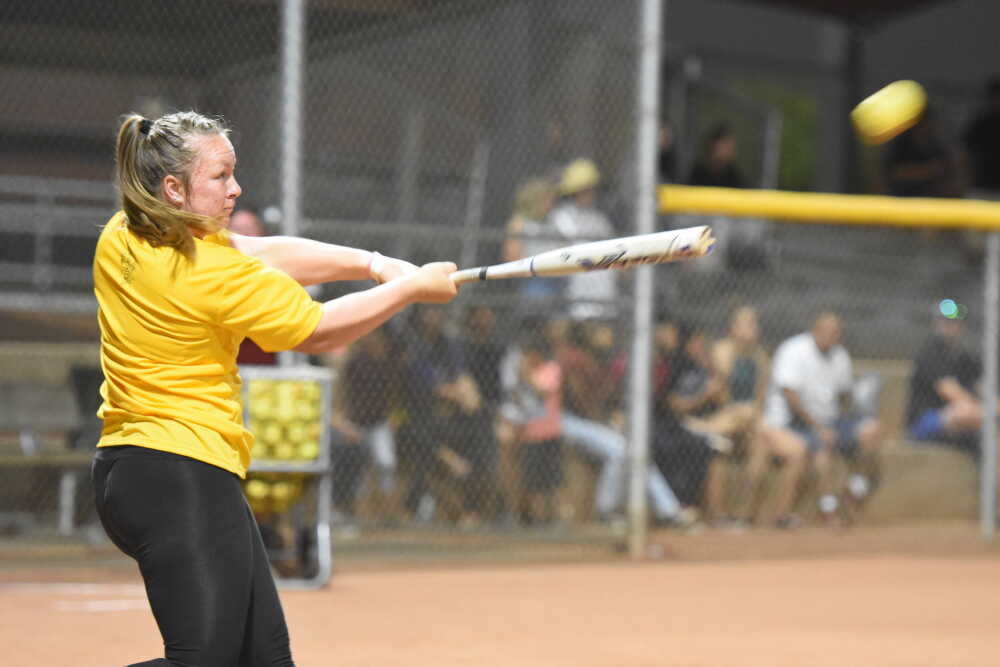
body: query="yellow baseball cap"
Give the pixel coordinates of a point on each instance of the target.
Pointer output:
(578, 176)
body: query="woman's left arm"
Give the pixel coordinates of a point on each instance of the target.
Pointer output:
(311, 262)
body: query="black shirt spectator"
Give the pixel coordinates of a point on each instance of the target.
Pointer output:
(447, 421)
(726, 176)
(666, 157)
(682, 455)
(718, 167)
(941, 356)
(370, 378)
(484, 354)
(919, 164)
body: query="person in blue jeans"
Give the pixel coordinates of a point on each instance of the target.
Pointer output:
(809, 418)
(943, 406)
(602, 444)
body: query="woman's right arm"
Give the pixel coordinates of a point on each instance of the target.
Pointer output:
(350, 317)
(723, 359)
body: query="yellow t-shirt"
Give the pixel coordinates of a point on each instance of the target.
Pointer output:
(170, 331)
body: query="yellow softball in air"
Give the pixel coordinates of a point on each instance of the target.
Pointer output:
(889, 112)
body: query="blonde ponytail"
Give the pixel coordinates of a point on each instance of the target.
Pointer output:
(146, 152)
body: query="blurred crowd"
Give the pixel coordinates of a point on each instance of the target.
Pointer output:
(479, 422)
(453, 423)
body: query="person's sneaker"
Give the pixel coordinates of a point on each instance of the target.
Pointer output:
(731, 525)
(833, 511)
(858, 486)
(617, 523)
(788, 522)
(687, 518)
(854, 497)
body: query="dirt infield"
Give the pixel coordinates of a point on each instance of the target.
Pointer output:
(851, 610)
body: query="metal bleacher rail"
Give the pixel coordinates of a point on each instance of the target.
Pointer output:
(49, 229)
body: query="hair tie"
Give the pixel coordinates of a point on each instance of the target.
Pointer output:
(144, 125)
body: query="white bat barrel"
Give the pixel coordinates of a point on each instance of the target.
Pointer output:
(619, 253)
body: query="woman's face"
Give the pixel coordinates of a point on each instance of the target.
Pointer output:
(211, 188)
(666, 336)
(696, 348)
(602, 337)
(744, 328)
(557, 331)
(586, 198)
(530, 360)
(724, 149)
(482, 320)
(432, 319)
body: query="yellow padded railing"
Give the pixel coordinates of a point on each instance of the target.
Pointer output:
(831, 208)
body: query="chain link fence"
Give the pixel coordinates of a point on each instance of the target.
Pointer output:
(478, 132)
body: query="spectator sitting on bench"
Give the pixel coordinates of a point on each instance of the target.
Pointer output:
(447, 420)
(740, 365)
(361, 432)
(681, 387)
(533, 407)
(943, 406)
(805, 417)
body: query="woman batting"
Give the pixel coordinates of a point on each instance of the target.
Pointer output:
(176, 294)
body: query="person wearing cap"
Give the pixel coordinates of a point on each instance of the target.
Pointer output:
(530, 232)
(591, 295)
(920, 163)
(943, 406)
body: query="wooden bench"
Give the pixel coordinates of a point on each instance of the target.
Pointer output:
(37, 420)
(31, 409)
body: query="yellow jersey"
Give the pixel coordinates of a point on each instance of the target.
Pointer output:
(170, 331)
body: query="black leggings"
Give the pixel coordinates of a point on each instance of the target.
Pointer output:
(200, 553)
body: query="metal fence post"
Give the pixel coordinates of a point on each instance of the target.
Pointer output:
(645, 220)
(292, 102)
(991, 330)
(292, 69)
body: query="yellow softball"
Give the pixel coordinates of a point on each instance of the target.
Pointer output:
(889, 112)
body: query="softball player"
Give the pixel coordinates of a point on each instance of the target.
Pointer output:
(177, 293)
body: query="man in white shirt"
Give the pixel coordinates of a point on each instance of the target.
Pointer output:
(808, 413)
(593, 294)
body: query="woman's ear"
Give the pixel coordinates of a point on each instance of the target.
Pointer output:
(173, 190)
